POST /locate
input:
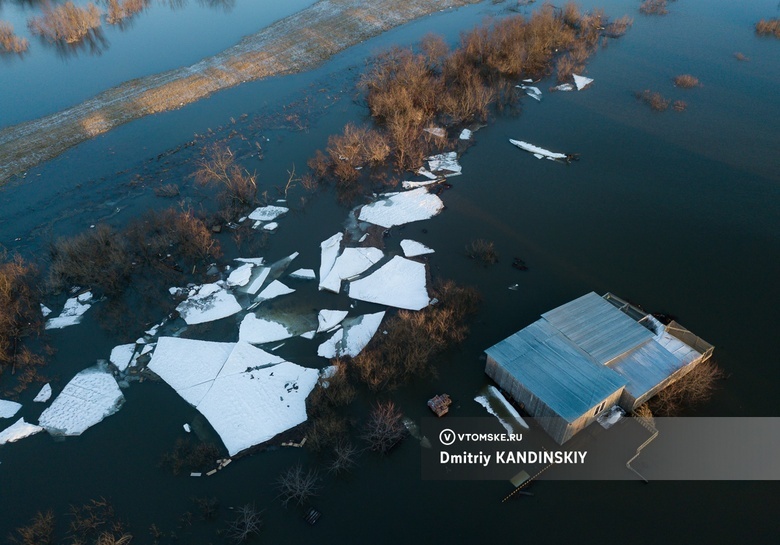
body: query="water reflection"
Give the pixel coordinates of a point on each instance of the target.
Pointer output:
(94, 43)
(225, 5)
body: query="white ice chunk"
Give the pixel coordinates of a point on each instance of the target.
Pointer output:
(349, 264)
(399, 208)
(413, 248)
(252, 260)
(18, 430)
(71, 313)
(364, 237)
(352, 338)
(44, 395)
(422, 171)
(399, 283)
(330, 251)
(268, 213)
(406, 184)
(187, 428)
(303, 274)
(309, 334)
(328, 319)
(531, 91)
(274, 289)
(260, 330)
(564, 87)
(88, 398)
(497, 405)
(436, 131)
(241, 275)
(465, 134)
(211, 302)
(537, 151)
(152, 331)
(121, 355)
(259, 276)
(271, 226)
(446, 163)
(9, 408)
(581, 81)
(45, 310)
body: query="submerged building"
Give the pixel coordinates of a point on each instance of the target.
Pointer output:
(588, 355)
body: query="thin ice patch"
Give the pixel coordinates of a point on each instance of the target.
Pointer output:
(121, 355)
(274, 289)
(260, 330)
(71, 314)
(351, 339)
(44, 395)
(413, 248)
(18, 430)
(268, 213)
(349, 264)
(445, 163)
(399, 283)
(9, 408)
(328, 319)
(210, 302)
(539, 153)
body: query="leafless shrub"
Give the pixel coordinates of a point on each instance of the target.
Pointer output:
(309, 182)
(96, 522)
(741, 57)
(20, 316)
(656, 101)
(238, 188)
(653, 7)
(66, 23)
(167, 190)
(247, 523)
(326, 430)
(768, 27)
(119, 10)
(384, 428)
(207, 507)
(644, 412)
(686, 81)
(188, 455)
(435, 50)
(296, 485)
(355, 148)
(344, 454)
(10, 42)
(618, 27)
(40, 531)
(482, 250)
(319, 165)
(693, 389)
(679, 105)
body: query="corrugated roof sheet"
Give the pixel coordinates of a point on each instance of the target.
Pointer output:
(598, 327)
(564, 377)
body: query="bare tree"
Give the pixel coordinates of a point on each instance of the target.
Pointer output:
(247, 523)
(344, 460)
(238, 186)
(384, 427)
(297, 485)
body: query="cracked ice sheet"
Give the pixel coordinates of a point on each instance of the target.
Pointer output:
(581, 81)
(399, 208)
(261, 330)
(211, 302)
(328, 319)
(268, 213)
(329, 252)
(121, 355)
(531, 91)
(241, 275)
(9, 408)
(349, 264)
(399, 283)
(72, 312)
(351, 339)
(413, 248)
(274, 289)
(87, 399)
(539, 153)
(44, 395)
(18, 430)
(445, 161)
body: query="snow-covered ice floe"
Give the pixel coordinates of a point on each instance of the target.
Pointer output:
(497, 405)
(398, 283)
(241, 275)
(274, 289)
(303, 274)
(44, 395)
(329, 252)
(209, 302)
(349, 264)
(272, 226)
(268, 213)
(564, 87)
(261, 330)
(531, 91)
(121, 356)
(400, 208)
(413, 248)
(445, 163)
(328, 319)
(88, 398)
(407, 184)
(18, 430)
(465, 134)
(71, 314)
(9, 408)
(539, 153)
(45, 311)
(581, 81)
(352, 338)
(247, 394)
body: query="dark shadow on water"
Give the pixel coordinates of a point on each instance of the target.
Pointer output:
(94, 43)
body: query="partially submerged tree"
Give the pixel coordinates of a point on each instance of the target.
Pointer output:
(20, 312)
(385, 427)
(237, 186)
(66, 23)
(693, 389)
(297, 485)
(247, 523)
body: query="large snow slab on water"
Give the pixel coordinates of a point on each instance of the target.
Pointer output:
(413, 248)
(399, 283)
(211, 302)
(351, 339)
(71, 314)
(18, 430)
(241, 275)
(399, 208)
(581, 81)
(539, 153)
(9, 408)
(349, 264)
(121, 355)
(328, 319)
(87, 399)
(268, 213)
(274, 289)
(44, 395)
(445, 163)
(330, 251)
(261, 330)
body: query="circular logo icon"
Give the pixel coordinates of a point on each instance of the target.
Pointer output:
(446, 437)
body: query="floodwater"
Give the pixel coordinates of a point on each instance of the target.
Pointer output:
(676, 211)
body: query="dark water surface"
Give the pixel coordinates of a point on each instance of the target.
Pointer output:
(676, 211)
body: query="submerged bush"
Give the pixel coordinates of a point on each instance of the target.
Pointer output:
(66, 23)
(768, 27)
(693, 389)
(656, 101)
(40, 531)
(237, 187)
(653, 7)
(119, 10)
(686, 81)
(20, 313)
(385, 427)
(10, 42)
(482, 250)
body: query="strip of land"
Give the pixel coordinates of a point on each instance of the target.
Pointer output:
(298, 42)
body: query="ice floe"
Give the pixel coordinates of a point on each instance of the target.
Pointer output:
(303, 274)
(261, 330)
(539, 153)
(400, 208)
(406, 184)
(497, 405)
(352, 338)
(422, 171)
(209, 302)
(328, 319)
(9, 408)
(274, 289)
(187, 428)
(413, 248)
(241, 275)
(436, 131)
(18, 430)
(252, 260)
(268, 213)
(581, 81)
(329, 252)
(399, 283)
(121, 355)
(45, 310)
(445, 163)
(72, 312)
(273, 226)
(564, 87)
(256, 280)
(465, 134)
(531, 91)
(44, 395)
(88, 398)
(309, 334)
(349, 264)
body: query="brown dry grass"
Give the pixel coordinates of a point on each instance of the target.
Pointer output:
(655, 100)
(66, 23)
(693, 389)
(483, 251)
(686, 81)
(10, 42)
(768, 27)
(40, 531)
(653, 7)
